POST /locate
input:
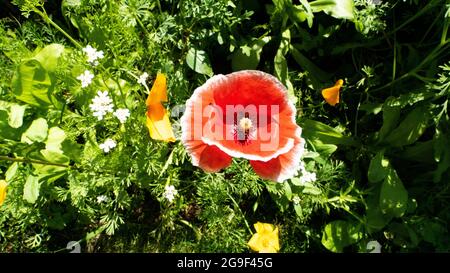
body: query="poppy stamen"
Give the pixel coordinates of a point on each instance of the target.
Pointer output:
(243, 130)
(245, 124)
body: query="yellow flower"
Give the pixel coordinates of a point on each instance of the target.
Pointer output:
(3, 186)
(265, 240)
(158, 122)
(331, 94)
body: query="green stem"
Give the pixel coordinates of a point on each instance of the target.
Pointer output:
(142, 26)
(357, 115)
(417, 15)
(445, 31)
(312, 107)
(440, 48)
(394, 65)
(198, 235)
(431, 26)
(27, 160)
(110, 90)
(121, 91)
(50, 21)
(159, 6)
(243, 216)
(424, 79)
(404, 76)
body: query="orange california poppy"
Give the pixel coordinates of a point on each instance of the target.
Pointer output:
(331, 94)
(245, 114)
(158, 122)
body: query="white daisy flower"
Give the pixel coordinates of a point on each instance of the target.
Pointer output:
(93, 54)
(86, 78)
(108, 145)
(101, 105)
(122, 114)
(169, 193)
(143, 78)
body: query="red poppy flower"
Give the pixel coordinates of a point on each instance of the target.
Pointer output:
(245, 114)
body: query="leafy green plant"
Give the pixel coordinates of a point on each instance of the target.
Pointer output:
(376, 165)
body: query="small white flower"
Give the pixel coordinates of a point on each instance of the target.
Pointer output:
(86, 78)
(108, 145)
(307, 177)
(101, 105)
(296, 200)
(143, 78)
(93, 54)
(169, 193)
(102, 198)
(122, 114)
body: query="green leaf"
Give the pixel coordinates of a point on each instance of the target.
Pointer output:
(393, 195)
(248, 55)
(341, 9)
(412, 205)
(410, 129)
(311, 189)
(16, 112)
(281, 69)
(324, 150)
(47, 172)
(280, 64)
(55, 157)
(198, 61)
(11, 118)
(296, 181)
(391, 116)
(310, 15)
(378, 168)
(6, 131)
(403, 235)
(441, 152)
(95, 233)
(298, 210)
(72, 150)
(371, 108)
(54, 140)
(310, 154)
(37, 132)
(297, 14)
(276, 191)
(33, 81)
(315, 74)
(433, 232)
(31, 189)
(339, 234)
(375, 219)
(32, 84)
(411, 98)
(50, 173)
(49, 56)
(326, 134)
(287, 190)
(419, 152)
(11, 172)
